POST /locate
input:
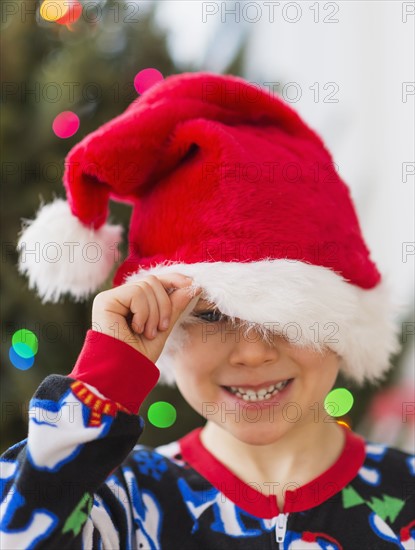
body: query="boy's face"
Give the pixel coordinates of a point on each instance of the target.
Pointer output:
(219, 355)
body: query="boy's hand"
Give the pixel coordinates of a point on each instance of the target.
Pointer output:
(132, 311)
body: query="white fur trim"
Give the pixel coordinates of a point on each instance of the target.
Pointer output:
(311, 305)
(59, 254)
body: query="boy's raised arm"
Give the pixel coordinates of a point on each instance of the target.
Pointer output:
(55, 491)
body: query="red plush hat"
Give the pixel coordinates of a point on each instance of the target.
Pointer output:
(229, 186)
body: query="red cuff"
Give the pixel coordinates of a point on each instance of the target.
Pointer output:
(115, 369)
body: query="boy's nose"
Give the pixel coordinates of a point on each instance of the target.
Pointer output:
(253, 349)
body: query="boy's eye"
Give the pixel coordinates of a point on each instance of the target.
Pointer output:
(207, 315)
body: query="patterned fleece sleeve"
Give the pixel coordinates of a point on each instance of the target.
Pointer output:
(81, 428)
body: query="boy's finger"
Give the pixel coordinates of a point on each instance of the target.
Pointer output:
(162, 296)
(163, 286)
(153, 316)
(171, 281)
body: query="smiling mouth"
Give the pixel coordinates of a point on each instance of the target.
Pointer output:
(261, 394)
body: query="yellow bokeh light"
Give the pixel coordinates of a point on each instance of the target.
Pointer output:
(52, 10)
(343, 423)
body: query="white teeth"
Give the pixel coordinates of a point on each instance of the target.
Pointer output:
(260, 395)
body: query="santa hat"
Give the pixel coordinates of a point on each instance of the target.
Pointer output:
(230, 187)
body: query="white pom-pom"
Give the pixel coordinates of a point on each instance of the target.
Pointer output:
(61, 255)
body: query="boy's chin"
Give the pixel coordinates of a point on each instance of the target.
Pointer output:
(254, 434)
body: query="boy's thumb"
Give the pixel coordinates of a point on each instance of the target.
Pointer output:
(180, 299)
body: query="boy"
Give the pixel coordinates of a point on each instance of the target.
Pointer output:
(233, 190)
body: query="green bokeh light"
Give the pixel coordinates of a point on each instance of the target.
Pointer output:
(338, 402)
(162, 414)
(24, 340)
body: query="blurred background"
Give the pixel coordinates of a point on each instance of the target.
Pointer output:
(347, 67)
